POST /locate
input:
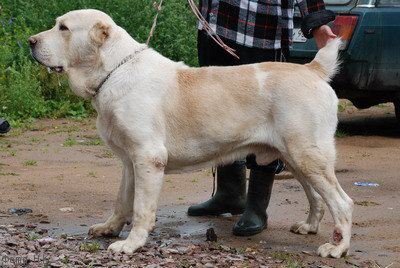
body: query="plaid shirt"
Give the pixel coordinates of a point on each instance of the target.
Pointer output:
(266, 24)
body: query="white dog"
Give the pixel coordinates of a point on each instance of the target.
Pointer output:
(161, 116)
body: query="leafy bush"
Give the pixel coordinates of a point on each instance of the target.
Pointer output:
(27, 90)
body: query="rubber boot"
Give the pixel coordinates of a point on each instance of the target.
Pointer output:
(230, 196)
(4, 126)
(255, 217)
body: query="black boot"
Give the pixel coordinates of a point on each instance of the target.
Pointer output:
(254, 218)
(230, 196)
(4, 126)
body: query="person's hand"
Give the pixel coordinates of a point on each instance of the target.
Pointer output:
(322, 35)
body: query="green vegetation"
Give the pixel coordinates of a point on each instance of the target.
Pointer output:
(107, 154)
(27, 90)
(288, 258)
(65, 260)
(92, 174)
(30, 163)
(69, 142)
(93, 142)
(9, 174)
(340, 134)
(89, 247)
(32, 236)
(366, 203)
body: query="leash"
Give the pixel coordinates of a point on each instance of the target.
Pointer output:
(204, 23)
(153, 27)
(210, 31)
(125, 60)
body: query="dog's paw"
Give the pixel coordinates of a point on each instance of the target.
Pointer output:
(125, 246)
(110, 229)
(303, 228)
(334, 251)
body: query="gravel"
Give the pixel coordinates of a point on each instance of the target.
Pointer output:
(30, 246)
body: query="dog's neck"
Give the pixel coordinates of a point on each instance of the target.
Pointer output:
(85, 80)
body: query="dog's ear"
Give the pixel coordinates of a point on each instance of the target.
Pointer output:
(99, 33)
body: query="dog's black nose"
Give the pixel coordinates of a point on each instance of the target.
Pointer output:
(32, 41)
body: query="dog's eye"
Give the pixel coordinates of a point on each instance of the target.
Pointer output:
(62, 27)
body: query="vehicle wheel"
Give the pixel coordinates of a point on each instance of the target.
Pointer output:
(397, 110)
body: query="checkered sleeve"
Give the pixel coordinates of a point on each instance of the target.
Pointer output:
(314, 15)
(309, 6)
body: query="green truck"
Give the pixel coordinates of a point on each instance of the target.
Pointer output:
(370, 30)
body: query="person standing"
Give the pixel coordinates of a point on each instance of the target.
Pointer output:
(259, 30)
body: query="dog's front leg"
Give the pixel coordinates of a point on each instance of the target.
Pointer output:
(123, 207)
(149, 173)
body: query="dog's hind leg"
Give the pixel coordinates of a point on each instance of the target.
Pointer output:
(311, 225)
(317, 166)
(149, 164)
(124, 205)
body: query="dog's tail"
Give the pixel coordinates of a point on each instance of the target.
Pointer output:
(326, 62)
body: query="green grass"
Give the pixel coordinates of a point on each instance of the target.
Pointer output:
(107, 154)
(9, 174)
(288, 258)
(35, 140)
(340, 134)
(341, 107)
(92, 174)
(30, 163)
(366, 203)
(65, 260)
(93, 142)
(33, 236)
(70, 142)
(27, 90)
(90, 247)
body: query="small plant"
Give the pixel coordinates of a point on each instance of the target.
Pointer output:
(9, 174)
(366, 203)
(93, 142)
(341, 107)
(381, 105)
(287, 258)
(30, 163)
(89, 247)
(92, 174)
(33, 236)
(70, 142)
(340, 134)
(293, 264)
(35, 140)
(65, 260)
(64, 129)
(107, 154)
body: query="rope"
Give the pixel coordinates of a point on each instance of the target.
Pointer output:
(153, 27)
(210, 31)
(200, 17)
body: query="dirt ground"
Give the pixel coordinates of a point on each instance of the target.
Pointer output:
(62, 164)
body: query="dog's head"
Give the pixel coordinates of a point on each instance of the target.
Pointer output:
(74, 42)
